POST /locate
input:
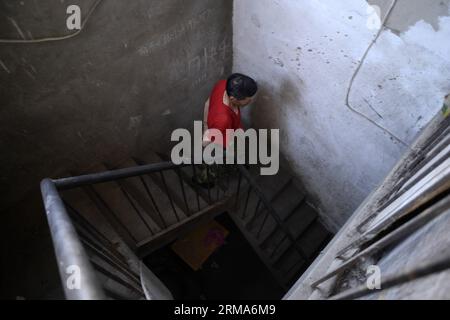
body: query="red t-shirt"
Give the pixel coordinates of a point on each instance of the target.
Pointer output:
(221, 116)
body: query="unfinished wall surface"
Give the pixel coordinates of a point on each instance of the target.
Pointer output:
(304, 54)
(137, 71)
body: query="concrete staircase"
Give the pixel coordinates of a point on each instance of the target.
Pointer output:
(123, 221)
(265, 234)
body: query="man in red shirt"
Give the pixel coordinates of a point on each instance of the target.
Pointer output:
(223, 108)
(222, 112)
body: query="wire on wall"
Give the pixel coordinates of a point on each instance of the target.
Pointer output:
(347, 99)
(58, 38)
(347, 102)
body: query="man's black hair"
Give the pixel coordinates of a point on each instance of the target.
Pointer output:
(241, 86)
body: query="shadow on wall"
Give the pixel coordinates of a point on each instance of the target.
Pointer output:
(277, 104)
(410, 12)
(273, 102)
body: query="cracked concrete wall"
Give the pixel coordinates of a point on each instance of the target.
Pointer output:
(120, 87)
(305, 53)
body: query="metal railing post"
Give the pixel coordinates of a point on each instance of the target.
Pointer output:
(77, 274)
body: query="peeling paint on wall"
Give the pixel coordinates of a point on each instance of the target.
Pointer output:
(339, 155)
(408, 12)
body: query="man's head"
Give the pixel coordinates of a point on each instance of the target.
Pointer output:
(241, 89)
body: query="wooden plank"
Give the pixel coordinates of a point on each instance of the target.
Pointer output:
(433, 184)
(182, 228)
(429, 166)
(83, 205)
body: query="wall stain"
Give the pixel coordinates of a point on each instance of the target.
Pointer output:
(408, 12)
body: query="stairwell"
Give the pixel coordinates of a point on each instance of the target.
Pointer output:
(264, 233)
(122, 221)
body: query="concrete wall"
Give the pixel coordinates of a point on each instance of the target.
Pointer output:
(137, 71)
(304, 54)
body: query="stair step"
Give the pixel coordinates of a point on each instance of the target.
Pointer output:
(250, 205)
(289, 264)
(259, 252)
(314, 238)
(272, 185)
(287, 201)
(270, 190)
(234, 175)
(297, 224)
(156, 203)
(206, 195)
(136, 188)
(284, 204)
(294, 273)
(78, 203)
(176, 185)
(210, 195)
(214, 193)
(129, 213)
(301, 220)
(308, 240)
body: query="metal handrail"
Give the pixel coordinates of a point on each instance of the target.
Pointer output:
(68, 247)
(112, 175)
